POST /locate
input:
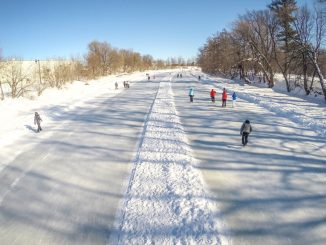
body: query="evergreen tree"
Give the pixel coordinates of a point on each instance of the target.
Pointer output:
(285, 38)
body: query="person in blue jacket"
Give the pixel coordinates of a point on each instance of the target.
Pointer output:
(191, 94)
(234, 98)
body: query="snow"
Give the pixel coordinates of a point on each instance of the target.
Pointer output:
(145, 166)
(18, 114)
(308, 112)
(166, 201)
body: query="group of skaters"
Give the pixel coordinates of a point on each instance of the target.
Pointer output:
(179, 75)
(149, 77)
(213, 95)
(246, 128)
(125, 84)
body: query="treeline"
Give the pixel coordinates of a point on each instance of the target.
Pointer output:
(283, 38)
(23, 78)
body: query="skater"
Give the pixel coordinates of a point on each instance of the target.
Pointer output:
(180, 75)
(213, 94)
(234, 98)
(224, 97)
(199, 78)
(245, 131)
(124, 84)
(116, 85)
(37, 120)
(191, 94)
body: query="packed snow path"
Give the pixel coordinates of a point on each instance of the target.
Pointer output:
(166, 202)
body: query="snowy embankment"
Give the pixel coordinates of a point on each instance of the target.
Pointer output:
(307, 112)
(18, 114)
(166, 201)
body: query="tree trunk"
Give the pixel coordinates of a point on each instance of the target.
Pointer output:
(305, 78)
(320, 75)
(305, 74)
(312, 81)
(2, 93)
(287, 82)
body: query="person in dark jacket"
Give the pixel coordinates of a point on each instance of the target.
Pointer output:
(37, 120)
(245, 131)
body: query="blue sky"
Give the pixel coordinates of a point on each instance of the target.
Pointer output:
(40, 29)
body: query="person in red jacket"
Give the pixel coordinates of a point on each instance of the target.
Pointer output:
(213, 94)
(224, 97)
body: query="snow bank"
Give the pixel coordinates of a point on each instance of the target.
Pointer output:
(308, 112)
(166, 201)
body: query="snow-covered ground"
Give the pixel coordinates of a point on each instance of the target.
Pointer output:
(166, 201)
(307, 111)
(145, 166)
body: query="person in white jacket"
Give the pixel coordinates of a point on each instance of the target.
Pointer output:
(245, 130)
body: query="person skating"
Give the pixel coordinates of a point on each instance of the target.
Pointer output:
(37, 120)
(213, 94)
(224, 97)
(245, 131)
(191, 94)
(116, 85)
(234, 98)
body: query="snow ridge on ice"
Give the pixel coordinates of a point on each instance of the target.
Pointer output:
(166, 201)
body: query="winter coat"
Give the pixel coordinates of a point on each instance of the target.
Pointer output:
(213, 93)
(224, 95)
(191, 92)
(37, 119)
(245, 128)
(234, 96)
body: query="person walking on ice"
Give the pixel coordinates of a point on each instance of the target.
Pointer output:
(224, 97)
(37, 120)
(245, 131)
(191, 94)
(213, 94)
(234, 98)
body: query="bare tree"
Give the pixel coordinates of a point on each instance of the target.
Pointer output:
(311, 39)
(303, 24)
(258, 29)
(16, 78)
(2, 67)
